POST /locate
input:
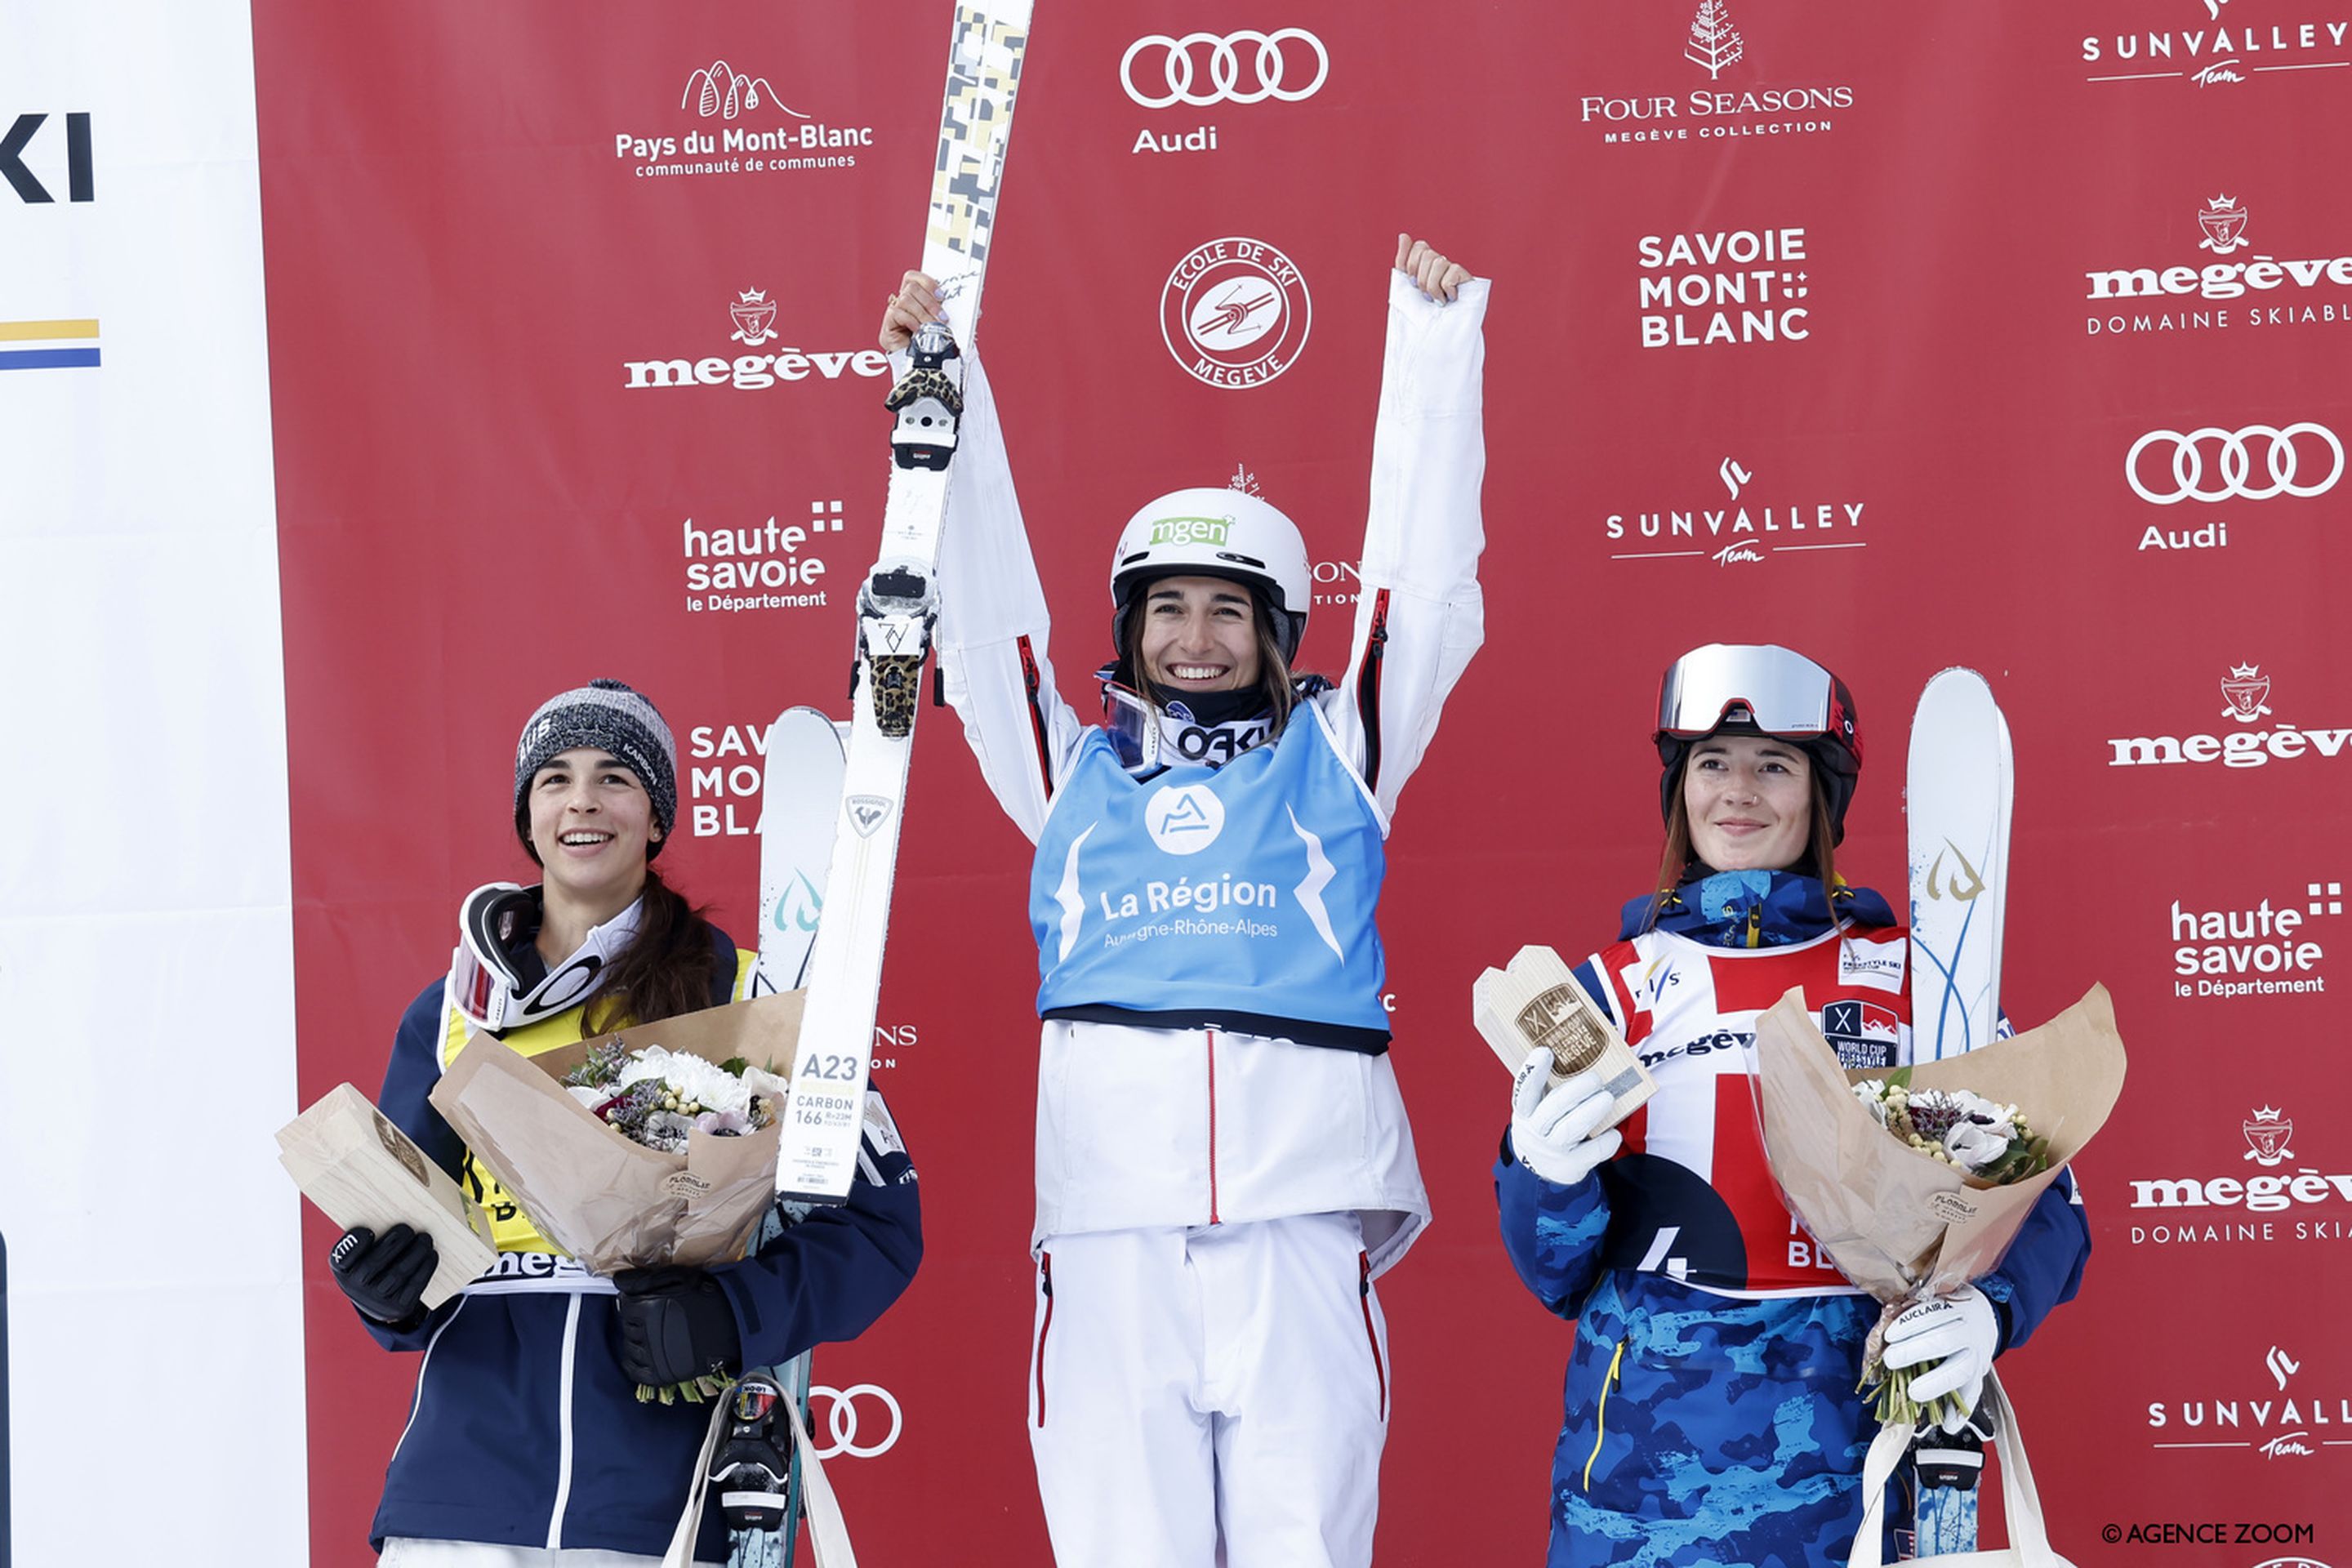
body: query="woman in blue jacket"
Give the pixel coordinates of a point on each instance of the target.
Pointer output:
(1709, 1411)
(526, 1444)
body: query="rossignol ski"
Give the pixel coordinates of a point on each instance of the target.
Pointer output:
(896, 610)
(756, 1473)
(1956, 797)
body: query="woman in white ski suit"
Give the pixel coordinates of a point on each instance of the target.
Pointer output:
(1223, 1162)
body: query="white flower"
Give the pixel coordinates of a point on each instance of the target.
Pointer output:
(1976, 1144)
(690, 1078)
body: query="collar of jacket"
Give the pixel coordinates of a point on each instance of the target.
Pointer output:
(1754, 909)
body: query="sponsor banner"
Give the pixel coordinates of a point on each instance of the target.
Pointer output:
(1188, 76)
(2245, 691)
(2239, 284)
(1235, 313)
(1737, 97)
(1726, 288)
(2276, 946)
(731, 123)
(1746, 525)
(2228, 1186)
(2227, 44)
(2277, 1407)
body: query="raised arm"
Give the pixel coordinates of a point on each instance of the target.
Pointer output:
(993, 619)
(1419, 616)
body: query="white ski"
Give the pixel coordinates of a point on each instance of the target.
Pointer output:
(896, 610)
(800, 798)
(1956, 798)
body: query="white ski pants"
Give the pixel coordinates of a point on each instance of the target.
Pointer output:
(1211, 1398)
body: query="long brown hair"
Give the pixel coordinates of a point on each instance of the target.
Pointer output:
(1276, 683)
(1676, 861)
(665, 970)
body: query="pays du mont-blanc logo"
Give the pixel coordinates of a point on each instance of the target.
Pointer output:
(1235, 313)
(1742, 530)
(739, 124)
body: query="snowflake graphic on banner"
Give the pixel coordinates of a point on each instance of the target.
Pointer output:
(1714, 41)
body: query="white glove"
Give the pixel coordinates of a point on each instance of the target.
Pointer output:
(1551, 1132)
(1960, 1333)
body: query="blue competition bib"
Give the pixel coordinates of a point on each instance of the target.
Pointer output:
(1240, 894)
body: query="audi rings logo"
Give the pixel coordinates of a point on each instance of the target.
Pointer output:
(1235, 313)
(1160, 72)
(845, 1423)
(2233, 476)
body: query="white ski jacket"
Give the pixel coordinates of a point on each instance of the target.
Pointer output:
(1141, 1127)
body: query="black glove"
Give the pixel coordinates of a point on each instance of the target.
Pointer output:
(675, 1326)
(384, 1276)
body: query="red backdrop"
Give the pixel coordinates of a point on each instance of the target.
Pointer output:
(1901, 215)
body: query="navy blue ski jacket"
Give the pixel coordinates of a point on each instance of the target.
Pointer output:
(524, 1431)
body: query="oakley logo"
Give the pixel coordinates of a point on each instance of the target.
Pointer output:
(842, 1424)
(1158, 59)
(2282, 452)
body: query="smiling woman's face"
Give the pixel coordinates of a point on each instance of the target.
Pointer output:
(1200, 633)
(1750, 803)
(591, 823)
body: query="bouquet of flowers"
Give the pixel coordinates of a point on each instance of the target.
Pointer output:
(658, 1097)
(1919, 1214)
(652, 1145)
(1989, 1144)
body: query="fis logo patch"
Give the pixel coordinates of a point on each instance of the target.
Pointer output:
(1865, 1034)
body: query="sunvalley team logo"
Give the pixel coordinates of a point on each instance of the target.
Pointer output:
(1723, 289)
(735, 122)
(2265, 948)
(2282, 1421)
(753, 315)
(2244, 748)
(2300, 290)
(1235, 313)
(2217, 54)
(2279, 1200)
(1713, 42)
(1202, 71)
(1743, 528)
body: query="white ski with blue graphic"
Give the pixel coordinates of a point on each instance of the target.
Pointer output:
(1958, 796)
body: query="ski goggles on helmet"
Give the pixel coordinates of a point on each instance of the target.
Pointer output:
(1754, 686)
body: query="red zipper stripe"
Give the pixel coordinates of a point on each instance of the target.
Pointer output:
(1364, 1290)
(1213, 1125)
(1033, 682)
(1045, 1283)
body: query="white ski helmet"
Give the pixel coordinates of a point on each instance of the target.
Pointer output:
(1216, 532)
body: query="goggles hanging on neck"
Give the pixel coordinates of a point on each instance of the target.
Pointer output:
(485, 982)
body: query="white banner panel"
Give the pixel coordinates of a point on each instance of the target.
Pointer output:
(145, 957)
